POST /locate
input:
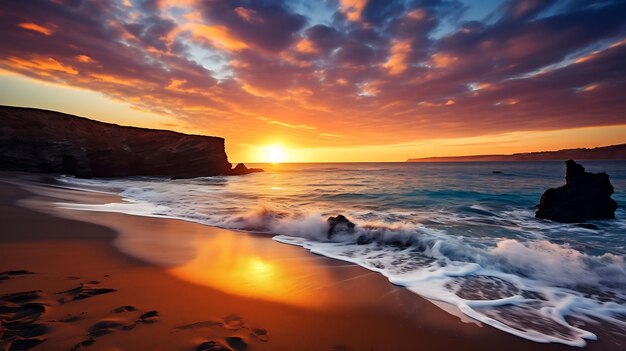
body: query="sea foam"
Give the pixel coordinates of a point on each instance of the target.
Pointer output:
(482, 252)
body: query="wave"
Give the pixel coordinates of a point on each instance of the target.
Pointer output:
(522, 281)
(534, 289)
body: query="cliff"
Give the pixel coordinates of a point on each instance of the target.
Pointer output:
(36, 140)
(613, 152)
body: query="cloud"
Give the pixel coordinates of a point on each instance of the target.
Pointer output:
(218, 36)
(43, 65)
(266, 25)
(352, 8)
(303, 126)
(397, 62)
(84, 58)
(36, 28)
(376, 71)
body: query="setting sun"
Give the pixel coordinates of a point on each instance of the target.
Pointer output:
(283, 175)
(273, 154)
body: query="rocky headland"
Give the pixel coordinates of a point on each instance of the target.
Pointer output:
(42, 141)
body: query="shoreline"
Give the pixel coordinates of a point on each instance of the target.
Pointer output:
(312, 302)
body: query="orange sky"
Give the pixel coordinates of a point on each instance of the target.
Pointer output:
(347, 81)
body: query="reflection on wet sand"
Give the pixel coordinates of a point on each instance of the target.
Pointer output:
(243, 264)
(256, 267)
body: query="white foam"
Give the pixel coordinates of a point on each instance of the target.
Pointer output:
(550, 303)
(501, 282)
(129, 206)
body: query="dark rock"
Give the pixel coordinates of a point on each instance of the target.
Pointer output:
(241, 169)
(584, 196)
(364, 240)
(41, 141)
(497, 172)
(339, 224)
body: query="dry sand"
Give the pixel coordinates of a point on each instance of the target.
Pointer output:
(113, 281)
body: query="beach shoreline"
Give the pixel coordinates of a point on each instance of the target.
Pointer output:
(201, 299)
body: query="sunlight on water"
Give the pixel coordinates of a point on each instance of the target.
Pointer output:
(457, 233)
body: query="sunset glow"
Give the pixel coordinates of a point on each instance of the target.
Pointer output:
(333, 80)
(246, 270)
(320, 175)
(273, 154)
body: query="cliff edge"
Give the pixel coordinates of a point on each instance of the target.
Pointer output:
(43, 141)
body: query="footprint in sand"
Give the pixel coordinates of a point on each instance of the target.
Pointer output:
(234, 322)
(70, 318)
(236, 343)
(123, 309)
(14, 274)
(25, 344)
(148, 317)
(203, 324)
(84, 291)
(220, 330)
(232, 343)
(128, 321)
(19, 314)
(212, 345)
(260, 334)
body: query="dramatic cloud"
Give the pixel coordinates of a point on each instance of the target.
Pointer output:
(339, 73)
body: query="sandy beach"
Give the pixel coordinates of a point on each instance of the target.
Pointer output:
(346, 175)
(67, 285)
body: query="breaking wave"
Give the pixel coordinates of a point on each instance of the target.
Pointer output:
(483, 253)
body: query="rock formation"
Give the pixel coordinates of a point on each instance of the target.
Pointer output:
(339, 224)
(584, 196)
(34, 140)
(241, 169)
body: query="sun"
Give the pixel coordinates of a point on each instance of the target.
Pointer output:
(273, 154)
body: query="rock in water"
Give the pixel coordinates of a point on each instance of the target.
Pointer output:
(339, 224)
(584, 196)
(241, 169)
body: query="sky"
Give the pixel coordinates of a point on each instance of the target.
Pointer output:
(333, 80)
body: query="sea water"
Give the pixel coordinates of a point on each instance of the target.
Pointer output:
(456, 233)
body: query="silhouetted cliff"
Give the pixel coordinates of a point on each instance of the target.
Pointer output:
(36, 140)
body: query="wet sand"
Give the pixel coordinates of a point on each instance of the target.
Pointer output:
(109, 281)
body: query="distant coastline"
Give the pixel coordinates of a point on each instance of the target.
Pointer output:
(611, 152)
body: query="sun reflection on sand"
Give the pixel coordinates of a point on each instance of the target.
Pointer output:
(248, 265)
(256, 267)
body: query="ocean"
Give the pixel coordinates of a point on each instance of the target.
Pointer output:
(455, 233)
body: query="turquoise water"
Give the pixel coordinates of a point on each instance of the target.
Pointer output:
(451, 232)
